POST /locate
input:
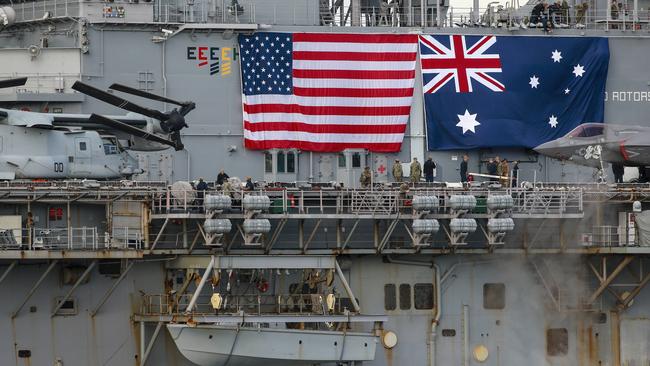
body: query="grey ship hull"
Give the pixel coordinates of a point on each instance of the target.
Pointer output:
(539, 296)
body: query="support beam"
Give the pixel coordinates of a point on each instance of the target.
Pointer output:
(33, 289)
(595, 271)
(197, 292)
(147, 351)
(110, 290)
(8, 270)
(311, 236)
(155, 242)
(182, 290)
(74, 287)
(385, 239)
(608, 280)
(199, 232)
(615, 326)
(347, 239)
(346, 286)
(632, 295)
(276, 235)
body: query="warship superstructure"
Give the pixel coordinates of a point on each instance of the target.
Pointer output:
(307, 268)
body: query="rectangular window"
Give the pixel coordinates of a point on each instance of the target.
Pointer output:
(449, 332)
(356, 160)
(390, 301)
(423, 296)
(268, 162)
(405, 296)
(280, 162)
(69, 307)
(291, 162)
(82, 146)
(494, 296)
(341, 161)
(557, 342)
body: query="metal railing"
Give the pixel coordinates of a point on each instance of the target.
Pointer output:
(42, 83)
(47, 9)
(335, 14)
(217, 11)
(605, 236)
(159, 304)
(376, 202)
(75, 238)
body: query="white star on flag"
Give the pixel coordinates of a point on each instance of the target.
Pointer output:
(567, 91)
(534, 82)
(556, 56)
(578, 70)
(467, 122)
(552, 121)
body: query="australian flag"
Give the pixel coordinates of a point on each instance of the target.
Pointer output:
(489, 91)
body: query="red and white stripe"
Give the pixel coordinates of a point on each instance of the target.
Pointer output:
(349, 91)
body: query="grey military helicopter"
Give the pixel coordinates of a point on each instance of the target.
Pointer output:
(57, 146)
(596, 144)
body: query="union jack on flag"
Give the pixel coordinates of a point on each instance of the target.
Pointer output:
(460, 61)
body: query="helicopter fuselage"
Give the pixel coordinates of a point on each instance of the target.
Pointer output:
(31, 153)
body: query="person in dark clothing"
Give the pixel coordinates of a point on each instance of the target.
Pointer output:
(555, 13)
(515, 173)
(463, 169)
(201, 187)
(539, 14)
(536, 13)
(249, 184)
(618, 170)
(222, 177)
(429, 167)
(492, 169)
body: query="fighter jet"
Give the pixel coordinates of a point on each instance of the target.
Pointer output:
(596, 144)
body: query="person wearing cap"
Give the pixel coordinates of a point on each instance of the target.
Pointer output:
(416, 171)
(249, 184)
(504, 173)
(397, 171)
(366, 178)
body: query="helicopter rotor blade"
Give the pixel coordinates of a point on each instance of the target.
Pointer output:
(10, 83)
(120, 126)
(117, 101)
(144, 94)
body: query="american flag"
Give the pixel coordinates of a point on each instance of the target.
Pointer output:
(460, 62)
(327, 92)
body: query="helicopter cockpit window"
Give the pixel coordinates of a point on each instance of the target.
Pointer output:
(588, 130)
(82, 146)
(111, 146)
(110, 149)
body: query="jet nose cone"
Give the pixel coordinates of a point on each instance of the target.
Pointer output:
(551, 148)
(544, 148)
